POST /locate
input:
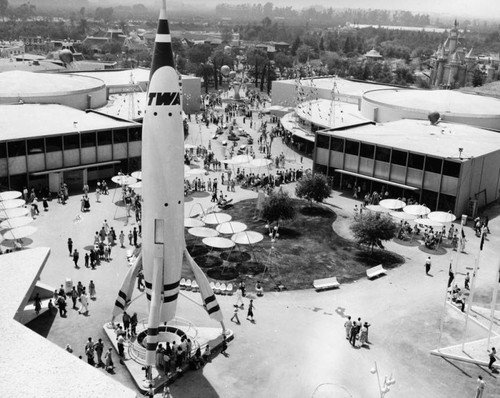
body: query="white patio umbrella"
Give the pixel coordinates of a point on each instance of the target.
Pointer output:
(417, 210)
(19, 233)
(11, 204)
(7, 195)
(260, 162)
(202, 232)
(442, 216)
(15, 222)
(136, 185)
(401, 215)
(230, 227)
(377, 209)
(196, 172)
(240, 159)
(137, 175)
(247, 238)
(186, 168)
(13, 213)
(392, 204)
(428, 222)
(218, 242)
(193, 222)
(123, 179)
(189, 146)
(216, 218)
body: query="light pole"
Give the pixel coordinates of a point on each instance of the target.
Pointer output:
(274, 235)
(388, 381)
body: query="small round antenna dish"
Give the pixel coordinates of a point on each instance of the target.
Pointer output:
(66, 56)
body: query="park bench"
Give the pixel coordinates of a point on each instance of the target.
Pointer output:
(326, 283)
(375, 271)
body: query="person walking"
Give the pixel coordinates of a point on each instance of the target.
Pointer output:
(92, 290)
(427, 265)
(235, 318)
(140, 280)
(348, 327)
(493, 358)
(126, 321)
(108, 361)
(133, 324)
(89, 351)
(224, 345)
(480, 387)
(122, 238)
(99, 348)
(239, 298)
(86, 260)
(70, 246)
(451, 276)
(467, 281)
(250, 311)
(76, 256)
(134, 233)
(61, 303)
(121, 345)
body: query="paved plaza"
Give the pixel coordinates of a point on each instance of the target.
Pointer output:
(297, 345)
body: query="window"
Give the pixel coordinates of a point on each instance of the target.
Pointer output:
(433, 164)
(399, 157)
(337, 144)
(323, 141)
(416, 161)
(451, 169)
(16, 148)
(3, 150)
(71, 141)
(383, 154)
(351, 147)
(88, 140)
(367, 151)
(104, 137)
(53, 144)
(119, 136)
(446, 202)
(35, 146)
(135, 134)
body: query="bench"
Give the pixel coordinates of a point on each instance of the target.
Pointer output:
(326, 283)
(375, 271)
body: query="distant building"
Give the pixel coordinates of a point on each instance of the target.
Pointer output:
(34, 43)
(11, 48)
(453, 67)
(373, 55)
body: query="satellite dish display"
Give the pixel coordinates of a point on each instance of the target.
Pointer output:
(66, 56)
(434, 117)
(225, 70)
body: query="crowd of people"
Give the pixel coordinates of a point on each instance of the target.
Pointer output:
(356, 332)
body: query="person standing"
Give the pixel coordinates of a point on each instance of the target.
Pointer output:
(121, 345)
(354, 333)
(130, 237)
(70, 246)
(122, 238)
(493, 358)
(467, 281)
(451, 276)
(427, 265)
(84, 300)
(348, 327)
(76, 256)
(61, 303)
(133, 324)
(250, 311)
(480, 387)
(86, 260)
(92, 290)
(74, 297)
(224, 345)
(140, 280)
(38, 303)
(239, 298)
(126, 321)
(134, 233)
(108, 360)
(45, 204)
(89, 351)
(99, 348)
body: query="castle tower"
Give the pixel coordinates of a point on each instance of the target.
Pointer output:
(439, 68)
(453, 40)
(470, 62)
(453, 75)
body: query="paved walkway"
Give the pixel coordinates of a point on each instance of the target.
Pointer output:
(297, 342)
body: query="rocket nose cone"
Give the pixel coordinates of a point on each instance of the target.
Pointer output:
(163, 54)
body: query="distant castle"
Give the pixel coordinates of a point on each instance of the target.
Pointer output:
(453, 68)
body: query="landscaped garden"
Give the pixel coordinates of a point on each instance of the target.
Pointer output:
(306, 249)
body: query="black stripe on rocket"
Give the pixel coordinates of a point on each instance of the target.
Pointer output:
(163, 54)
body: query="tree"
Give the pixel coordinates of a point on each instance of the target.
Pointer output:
(4, 5)
(304, 52)
(372, 228)
(477, 78)
(278, 206)
(313, 187)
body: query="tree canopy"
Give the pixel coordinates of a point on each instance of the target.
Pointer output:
(278, 206)
(313, 187)
(372, 228)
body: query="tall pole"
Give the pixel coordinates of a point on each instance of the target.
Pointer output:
(471, 297)
(455, 267)
(494, 303)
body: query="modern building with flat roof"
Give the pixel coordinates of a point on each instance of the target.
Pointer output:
(447, 166)
(453, 106)
(42, 145)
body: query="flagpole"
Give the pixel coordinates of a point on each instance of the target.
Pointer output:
(455, 267)
(472, 288)
(494, 303)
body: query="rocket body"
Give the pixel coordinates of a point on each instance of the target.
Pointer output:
(162, 187)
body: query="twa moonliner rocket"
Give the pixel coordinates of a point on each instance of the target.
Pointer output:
(163, 244)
